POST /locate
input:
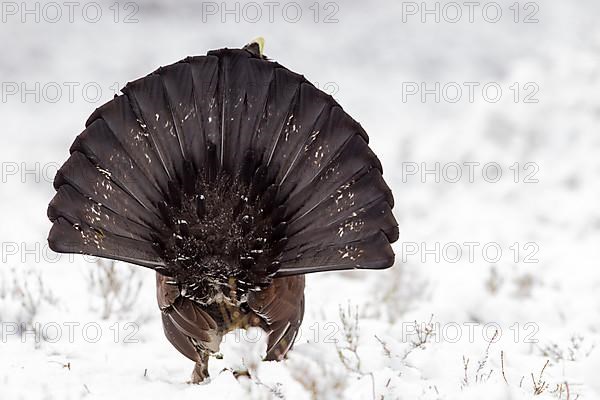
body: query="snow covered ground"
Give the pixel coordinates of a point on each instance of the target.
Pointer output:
(495, 289)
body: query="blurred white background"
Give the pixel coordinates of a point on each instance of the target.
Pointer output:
(395, 67)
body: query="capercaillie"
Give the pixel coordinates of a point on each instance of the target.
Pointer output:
(231, 177)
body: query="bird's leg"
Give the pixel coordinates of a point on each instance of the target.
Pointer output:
(200, 372)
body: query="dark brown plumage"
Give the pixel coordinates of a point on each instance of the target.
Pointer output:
(231, 177)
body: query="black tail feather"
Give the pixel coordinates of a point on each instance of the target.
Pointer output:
(373, 252)
(67, 237)
(102, 148)
(154, 114)
(231, 145)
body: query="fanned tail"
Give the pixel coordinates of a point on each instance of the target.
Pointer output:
(226, 157)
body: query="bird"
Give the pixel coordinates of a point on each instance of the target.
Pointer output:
(231, 177)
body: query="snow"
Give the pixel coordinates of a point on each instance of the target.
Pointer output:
(537, 312)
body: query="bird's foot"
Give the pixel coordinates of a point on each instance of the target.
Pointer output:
(199, 375)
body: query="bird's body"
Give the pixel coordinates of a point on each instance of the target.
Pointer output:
(196, 330)
(231, 177)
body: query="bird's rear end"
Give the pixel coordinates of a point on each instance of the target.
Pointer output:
(231, 177)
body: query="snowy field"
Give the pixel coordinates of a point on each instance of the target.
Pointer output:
(495, 290)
